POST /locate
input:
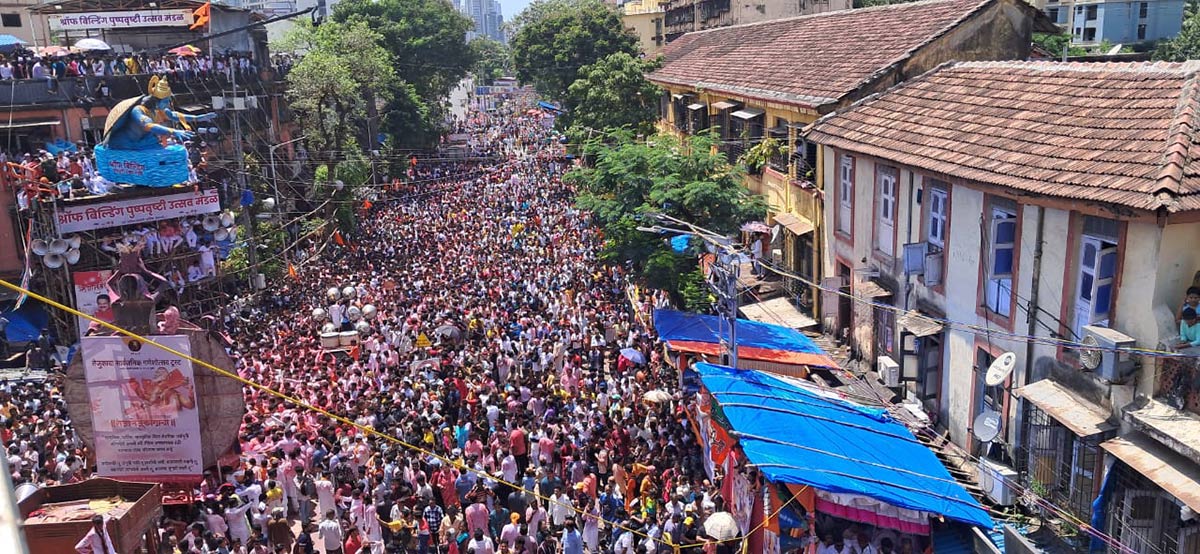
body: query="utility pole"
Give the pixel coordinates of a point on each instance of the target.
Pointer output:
(722, 276)
(235, 105)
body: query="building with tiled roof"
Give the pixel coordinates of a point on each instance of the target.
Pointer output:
(1119, 135)
(818, 61)
(1036, 206)
(766, 80)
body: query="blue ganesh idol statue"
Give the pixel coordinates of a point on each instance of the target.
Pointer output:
(137, 133)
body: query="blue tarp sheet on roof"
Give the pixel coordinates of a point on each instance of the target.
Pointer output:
(794, 435)
(673, 325)
(26, 323)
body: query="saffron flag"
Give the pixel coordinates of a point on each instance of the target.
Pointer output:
(337, 237)
(292, 272)
(200, 16)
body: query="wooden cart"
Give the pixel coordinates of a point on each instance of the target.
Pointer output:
(55, 518)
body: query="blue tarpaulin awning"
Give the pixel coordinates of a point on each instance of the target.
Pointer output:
(757, 341)
(548, 106)
(799, 436)
(26, 323)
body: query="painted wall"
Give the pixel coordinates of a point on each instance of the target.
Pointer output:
(1156, 266)
(648, 28)
(1118, 21)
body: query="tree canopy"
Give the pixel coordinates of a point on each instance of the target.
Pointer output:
(426, 39)
(686, 179)
(1186, 45)
(343, 68)
(556, 38)
(425, 43)
(612, 93)
(492, 59)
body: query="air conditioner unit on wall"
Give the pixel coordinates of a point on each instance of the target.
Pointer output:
(889, 371)
(1114, 366)
(997, 481)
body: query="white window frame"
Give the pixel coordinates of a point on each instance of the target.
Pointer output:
(998, 293)
(935, 231)
(845, 214)
(886, 179)
(1086, 312)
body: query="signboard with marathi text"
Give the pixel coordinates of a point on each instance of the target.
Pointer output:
(91, 297)
(144, 415)
(73, 219)
(119, 20)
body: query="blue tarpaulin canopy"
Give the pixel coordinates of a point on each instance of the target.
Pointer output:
(548, 106)
(799, 436)
(760, 341)
(25, 324)
(9, 41)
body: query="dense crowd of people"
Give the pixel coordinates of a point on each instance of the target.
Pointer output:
(29, 64)
(492, 408)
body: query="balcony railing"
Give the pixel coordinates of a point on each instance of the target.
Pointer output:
(1179, 383)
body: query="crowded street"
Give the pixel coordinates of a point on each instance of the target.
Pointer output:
(524, 426)
(492, 409)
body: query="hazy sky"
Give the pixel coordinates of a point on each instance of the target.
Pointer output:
(512, 7)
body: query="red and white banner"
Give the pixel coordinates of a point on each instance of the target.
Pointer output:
(144, 414)
(73, 219)
(91, 297)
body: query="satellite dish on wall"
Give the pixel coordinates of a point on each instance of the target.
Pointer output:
(1089, 353)
(1000, 369)
(986, 426)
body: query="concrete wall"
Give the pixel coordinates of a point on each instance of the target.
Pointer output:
(28, 31)
(647, 26)
(1003, 31)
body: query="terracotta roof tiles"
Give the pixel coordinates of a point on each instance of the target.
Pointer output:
(809, 60)
(1114, 133)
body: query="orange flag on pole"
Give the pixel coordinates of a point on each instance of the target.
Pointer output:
(200, 16)
(292, 272)
(337, 237)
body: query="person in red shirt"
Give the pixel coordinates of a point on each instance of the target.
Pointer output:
(353, 542)
(519, 448)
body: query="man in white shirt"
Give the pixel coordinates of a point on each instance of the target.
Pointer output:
(331, 533)
(97, 539)
(481, 544)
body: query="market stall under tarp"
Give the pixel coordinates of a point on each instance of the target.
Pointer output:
(760, 345)
(864, 465)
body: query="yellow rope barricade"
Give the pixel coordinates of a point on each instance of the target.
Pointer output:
(302, 404)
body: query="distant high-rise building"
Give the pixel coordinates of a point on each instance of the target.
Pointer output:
(488, 18)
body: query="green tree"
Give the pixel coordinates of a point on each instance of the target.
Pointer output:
(427, 40)
(554, 39)
(1054, 44)
(1184, 46)
(687, 179)
(612, 93)
(492, 59)
(338, 84)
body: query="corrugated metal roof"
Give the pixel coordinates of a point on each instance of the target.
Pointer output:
(1177, 475)
(1080, 416)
